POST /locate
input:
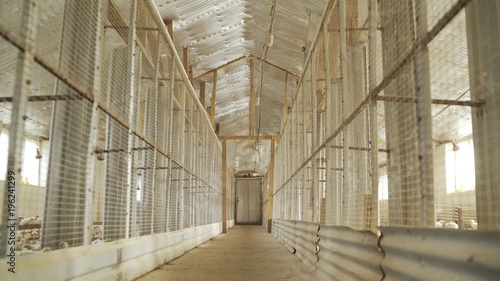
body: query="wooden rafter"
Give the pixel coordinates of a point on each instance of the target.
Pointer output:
(212, 99)
(202, 93)
(263, 137)
(251, 129)
(219, 67)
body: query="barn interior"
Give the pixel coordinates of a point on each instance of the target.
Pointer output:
(363, 135)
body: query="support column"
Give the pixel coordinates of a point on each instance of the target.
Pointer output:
(424, 121)
(346, 188)
(24, 66)
(130, 90)
(251, 129)
(331, 198)
(372, 83)
(182, 129)
(316, 201)
(483, 39)
(170, 112)
(154, 182)
(212, 100)
(401, 118)
(170, 28)
(224, 187)
(202, 94)
(285, 102)
(271, 189)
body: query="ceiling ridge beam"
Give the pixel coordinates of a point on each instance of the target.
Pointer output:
(276, 66)
(251, 129)
(246, 137)
(220, 67)
(206, 73)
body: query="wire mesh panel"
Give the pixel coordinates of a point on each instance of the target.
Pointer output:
(386, 116)
(114, 143)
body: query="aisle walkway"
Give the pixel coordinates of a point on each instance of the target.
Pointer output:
(245, 253)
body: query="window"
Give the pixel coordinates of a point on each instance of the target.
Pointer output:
(383, 188)
(30, 172)
(30, 163)
(4, 150)
(460, 169)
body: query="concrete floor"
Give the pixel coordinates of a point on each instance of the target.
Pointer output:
(244, 253)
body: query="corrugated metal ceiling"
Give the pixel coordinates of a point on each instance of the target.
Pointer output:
(219, 32)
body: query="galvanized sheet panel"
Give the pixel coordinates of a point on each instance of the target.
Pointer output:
(288, 233)
(275, 228)
(439, 254)
(306, 243)
(219, 32)
(347, 254)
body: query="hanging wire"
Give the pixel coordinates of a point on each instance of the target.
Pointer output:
(268, 42)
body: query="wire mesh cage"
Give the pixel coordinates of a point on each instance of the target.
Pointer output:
(387, 126)
(105, 137)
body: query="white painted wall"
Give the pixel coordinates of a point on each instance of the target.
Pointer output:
(124, 259)
(30, 199)
(465, 199)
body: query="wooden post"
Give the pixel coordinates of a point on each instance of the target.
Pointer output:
(19, 110)
(251, 129)
(202, 94)
(285, 101)
(212, 100)
(190, 75)
(314, 139)
(372, 81)
(368, 211)
(185, 58)
(271, 190)
(224, 188)
(424, 119)
(345, 95)
(170, 28)
(482, 19)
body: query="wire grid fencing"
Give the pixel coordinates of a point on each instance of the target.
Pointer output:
(105, 138)
(393, 120)
(265, 200)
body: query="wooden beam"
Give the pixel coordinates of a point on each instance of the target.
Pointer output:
(373, 111)
(277, 67)
(285, 102)
(220, 67)
(271, 190)
(185, 58)
(212, 99)
(266, 137)
(190, 75)
(170, 28)
(224, 188)
(251, 129)
(433, 101)
(202, 93)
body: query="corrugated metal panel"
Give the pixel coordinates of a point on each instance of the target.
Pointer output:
(347, 254)
(288, 232)
(440, 254)
(306, 243)
(276, 229)
(218, 32)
